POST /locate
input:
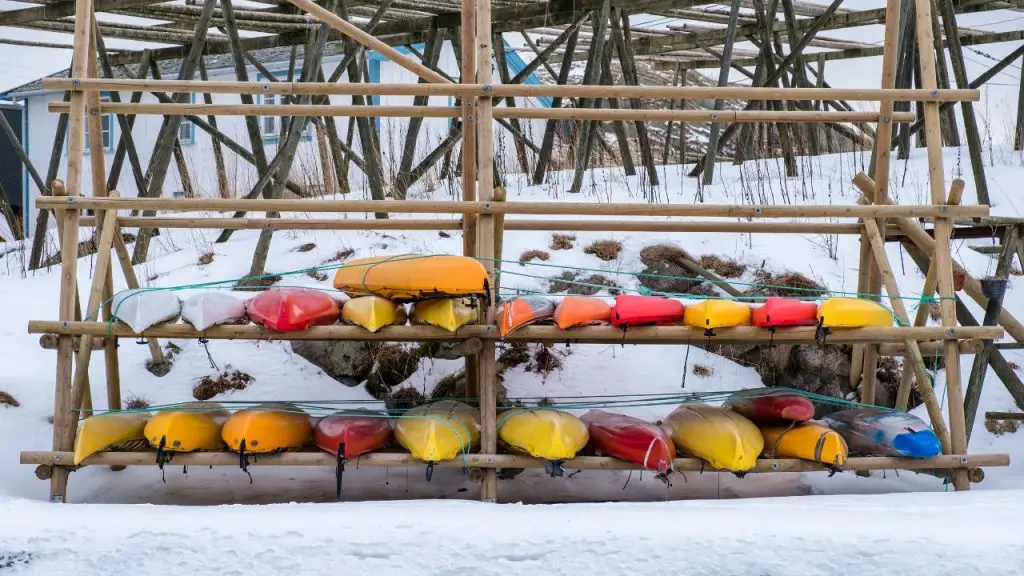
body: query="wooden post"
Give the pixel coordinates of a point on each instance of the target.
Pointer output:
(42, 218)
(1018, 133)
(671, 106)
(943, 227)
(547, 144)
(623, 43)
(956, 56)
(618, 126)
(485, 178)
(950, 132)
(467, 75)
(723, 79)
(223, 187)
(903, 392)
(503, 76)
(431, 53)
(499, 241)
(591, 75)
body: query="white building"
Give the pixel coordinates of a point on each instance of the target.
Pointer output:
(40, 127)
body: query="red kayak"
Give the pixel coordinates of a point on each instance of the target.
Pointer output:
(785, 312)
(353, 432)
(630, 310)
(764, 407)
(630, 439)
(292, 309)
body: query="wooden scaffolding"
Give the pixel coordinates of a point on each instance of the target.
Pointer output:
(483, 214)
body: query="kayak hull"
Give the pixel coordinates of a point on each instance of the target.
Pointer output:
(765, 407)
(195, 427)
(439, 431)
(447, 313)
(355, 432)
(781, 312)
(413, 277)
(106, 431)
(853, 313)
(631, 440)
(722, 438)
(267, 428)
(543, 433)
(806, 441)
(575, 311)
(292, 309)
(373, 312)
(631, 310)
(877, 432)
(523, 311)
(710, 314)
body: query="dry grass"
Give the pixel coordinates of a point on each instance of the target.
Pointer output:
(258, 283)
(317, 275)
(703, 289)
(171, 351)
(1015, 270)
(451, 386)
(562, 241)
(208, 387)
(723, 265)
(1013, 365)
(531, 255)
(340, 256)
(134, 402)
(308, 246)
(395, 363)
(546, 360)
(786, 284)
(8, 400)
(206, 258)
(703, 371)
(514, 354)
(1000, 427)
(606, 250)
(404, 399)
(569, 282)
(657, 253)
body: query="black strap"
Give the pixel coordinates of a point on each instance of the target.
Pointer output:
(339, 469)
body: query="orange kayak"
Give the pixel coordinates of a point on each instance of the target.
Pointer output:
(582, 311)
(522, 311)
(413, 277)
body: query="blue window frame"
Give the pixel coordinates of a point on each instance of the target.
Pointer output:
(270, 126)
(187, 130)
(107, 124)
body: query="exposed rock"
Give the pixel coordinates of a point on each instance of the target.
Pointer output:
(453, 386)
(662, 271)
(347, 362)
(394, 364)
(404, 399)
(819, 369)
(449, 350)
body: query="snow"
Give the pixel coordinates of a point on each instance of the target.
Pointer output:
(710, 523)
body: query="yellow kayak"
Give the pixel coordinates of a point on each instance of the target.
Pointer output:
(196, 426)
(439, 431)
(543, 433)
(448, 313)
(413, 277)
(807, 441)
(106, 431)
(853, 313)
(267, 428)
(373, 312)
(721, 437)
(717, 314)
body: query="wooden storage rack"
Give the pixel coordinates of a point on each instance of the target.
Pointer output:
(482, 221)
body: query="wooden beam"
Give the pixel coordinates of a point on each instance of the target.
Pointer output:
(723, 79)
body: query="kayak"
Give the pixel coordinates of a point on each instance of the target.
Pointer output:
(523, 311)
(372, 312)
(109, 431)
(292, 309)
(543, 433)
(631, 310)
(448, 313)
(212, 309)
(144, 308)
(413, 277)
(439, 431)
(807, 441)
(267, 428)
(717, 313)
(194, 426)
(353, 432)
(582, 311)
(853, 313)
(766, 407)
(723, 438)
(630, 439)
(778, 312)
(877, 432)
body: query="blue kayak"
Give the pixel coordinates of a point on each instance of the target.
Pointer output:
(877, 432)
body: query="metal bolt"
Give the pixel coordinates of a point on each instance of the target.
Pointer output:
(963, 460)
(886, 119)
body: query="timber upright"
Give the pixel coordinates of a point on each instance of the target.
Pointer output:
(484, 213)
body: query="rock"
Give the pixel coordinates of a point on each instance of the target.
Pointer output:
(347, 362)
(403, 399)
(450, 350)
(661, 260)
(394, 364)
(819, 369)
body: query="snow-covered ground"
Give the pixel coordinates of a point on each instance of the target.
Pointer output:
(883, 528)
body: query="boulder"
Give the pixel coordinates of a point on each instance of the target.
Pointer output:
(347, 362)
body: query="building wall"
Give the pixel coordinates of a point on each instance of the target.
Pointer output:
(241, 175)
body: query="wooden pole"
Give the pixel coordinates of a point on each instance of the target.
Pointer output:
(486, 245)
(723, 79)
(586, 131)
(223, 187)
(943, 227)
(516, 128)
(627, 62)
(431, 53)
(547, 143)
